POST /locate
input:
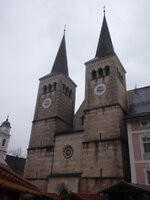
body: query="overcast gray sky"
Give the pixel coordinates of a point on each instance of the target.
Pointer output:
(30, 34)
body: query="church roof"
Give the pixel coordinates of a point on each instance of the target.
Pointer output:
(105, 46)
(6, 124)
(140, 103)
(60, 64)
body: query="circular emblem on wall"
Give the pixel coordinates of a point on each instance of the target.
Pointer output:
(46, 103)
(99, 89)
(68, 151)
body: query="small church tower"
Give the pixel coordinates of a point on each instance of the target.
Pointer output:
(53, 113)
(4, 137)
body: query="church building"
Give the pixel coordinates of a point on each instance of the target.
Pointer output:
(86, 151)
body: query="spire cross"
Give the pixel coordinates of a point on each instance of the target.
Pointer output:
(104, 10)
(64, 28)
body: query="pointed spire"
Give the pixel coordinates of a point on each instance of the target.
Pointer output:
(105, 46)
(60, 64)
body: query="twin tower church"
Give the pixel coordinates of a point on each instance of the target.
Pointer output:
(86, 151)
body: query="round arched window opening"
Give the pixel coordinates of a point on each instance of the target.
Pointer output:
(100, 72)
(93, 75)
(107, 70)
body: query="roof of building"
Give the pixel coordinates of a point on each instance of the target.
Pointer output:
(124, 186)
(139, 102)
(16, 163)
(60, 64)
(105, 46)
(6, 123)
(11, 181)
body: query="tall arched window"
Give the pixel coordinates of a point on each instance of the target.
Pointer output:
(64, 88)
(100, 72)
(70, 93)
(3, 143)
(54, 86)
(107, 70)
(49, 87)
(44, 89)
(67, 89)
(93, 74)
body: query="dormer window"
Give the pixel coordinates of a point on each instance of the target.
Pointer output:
(93, 75)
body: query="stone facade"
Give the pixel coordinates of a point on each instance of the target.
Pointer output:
(88, 151)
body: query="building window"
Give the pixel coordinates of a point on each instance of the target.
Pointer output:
(44, 89)
(146, 144)
(82, 120)
(100, 72)
(148, 176)
(54, 86)
(93, 75)
(49, 88)
(144, 123)
(70, 93)
(64, 88)
(107, 70)
(3, 142)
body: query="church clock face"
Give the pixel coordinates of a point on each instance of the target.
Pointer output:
(99, 89)
(46, 103)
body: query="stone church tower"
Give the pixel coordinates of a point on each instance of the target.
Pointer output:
(88, 151)
(4, 137)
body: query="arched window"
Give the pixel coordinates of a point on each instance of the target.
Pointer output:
(64, 88)
(49, 88)
(67, 89)
(107, 70)
(100, 72)
(44, 89)
(3, 143)
(54, 86)
(70, 93)
(93, 74)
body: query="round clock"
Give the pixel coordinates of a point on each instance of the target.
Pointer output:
(47, 102)
(99, 89)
